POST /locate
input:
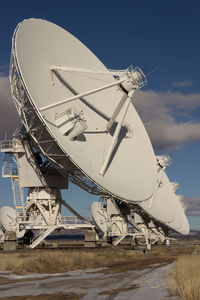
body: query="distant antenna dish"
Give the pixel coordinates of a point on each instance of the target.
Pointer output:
(8, 220)
(74, 107)
(7, 217)
(165, 206)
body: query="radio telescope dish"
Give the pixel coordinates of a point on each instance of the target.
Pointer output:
(7, 217)
(166, 207)
(8, 220)
(98, 131)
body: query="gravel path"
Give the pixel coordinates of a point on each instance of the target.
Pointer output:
(94, 284)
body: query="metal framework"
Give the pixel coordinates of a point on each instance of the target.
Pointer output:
(42, 210)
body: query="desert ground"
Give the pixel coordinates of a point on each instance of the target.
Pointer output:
(75, 272)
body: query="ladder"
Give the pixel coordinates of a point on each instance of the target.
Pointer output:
(9, 170)
(7, 165)
(17, 195)
(40, 235)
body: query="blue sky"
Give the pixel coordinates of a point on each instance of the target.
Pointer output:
(149, 34)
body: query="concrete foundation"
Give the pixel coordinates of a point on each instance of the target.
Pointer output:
(90, 239)
(104, 241)
(10, 241)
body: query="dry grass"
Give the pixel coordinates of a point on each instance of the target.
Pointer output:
(185, 279)
(59, 261)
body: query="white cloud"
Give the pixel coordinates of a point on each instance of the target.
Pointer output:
(182, 84)
(157, 110)
(9, 119)
(192, 206)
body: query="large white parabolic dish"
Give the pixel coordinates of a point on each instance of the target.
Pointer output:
(131, 174)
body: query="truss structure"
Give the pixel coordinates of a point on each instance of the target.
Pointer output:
(42, 210)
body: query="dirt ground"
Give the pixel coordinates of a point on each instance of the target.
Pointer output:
(158, 257)
(56, 296)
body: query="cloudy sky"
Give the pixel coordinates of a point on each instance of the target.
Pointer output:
(155, 35)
